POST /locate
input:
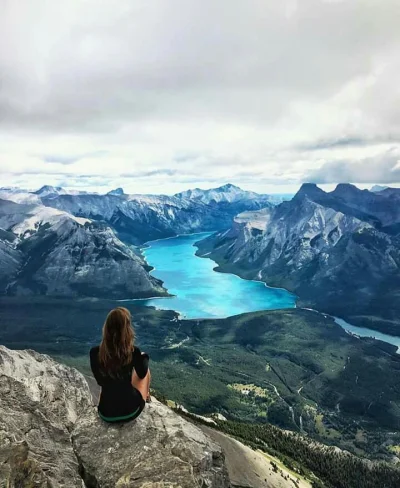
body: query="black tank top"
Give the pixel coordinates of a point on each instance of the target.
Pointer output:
(118, 397)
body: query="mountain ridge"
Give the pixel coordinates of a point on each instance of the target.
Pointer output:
(47, 251)
(140, 218)
(225, 193)
(332, 249)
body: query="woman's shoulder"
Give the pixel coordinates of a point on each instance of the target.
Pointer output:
(94, 351)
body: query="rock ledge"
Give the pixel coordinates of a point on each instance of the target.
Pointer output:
(50, 435)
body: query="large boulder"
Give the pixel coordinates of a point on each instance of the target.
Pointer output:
(50, 435)
(157, 450)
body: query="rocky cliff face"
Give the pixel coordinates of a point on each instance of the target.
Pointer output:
(10, 258)
(384, 205)
(40, 403)
(333, 249)
(50, 435)
(50, 252)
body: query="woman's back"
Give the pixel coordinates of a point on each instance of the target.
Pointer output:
(118, 396)
(113, 366)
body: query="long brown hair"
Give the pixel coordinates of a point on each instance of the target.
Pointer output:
(118, 341)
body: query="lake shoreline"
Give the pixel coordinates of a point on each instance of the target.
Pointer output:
(197, 291)
(358, 331)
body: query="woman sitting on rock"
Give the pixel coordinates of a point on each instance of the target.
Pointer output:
(120, 369)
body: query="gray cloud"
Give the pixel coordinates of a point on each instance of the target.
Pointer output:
(184, 91)
(346, 142)
(384, 169)
(147, 174)
(155, 62)
(62, 159)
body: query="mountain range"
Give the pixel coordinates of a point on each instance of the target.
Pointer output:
(140, 218)
(73, 243)
(229, 194)
(338, 251)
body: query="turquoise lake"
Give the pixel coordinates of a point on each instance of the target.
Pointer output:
(199, 291)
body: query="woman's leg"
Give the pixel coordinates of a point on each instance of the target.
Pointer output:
(142, 384)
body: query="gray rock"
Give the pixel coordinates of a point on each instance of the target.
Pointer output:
(40, 402)
(157, 450)
(51, 436)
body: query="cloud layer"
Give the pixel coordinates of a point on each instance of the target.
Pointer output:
(161, 95)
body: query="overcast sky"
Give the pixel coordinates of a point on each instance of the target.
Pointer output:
(163, 95)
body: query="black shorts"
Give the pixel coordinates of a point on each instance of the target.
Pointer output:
(124, 418)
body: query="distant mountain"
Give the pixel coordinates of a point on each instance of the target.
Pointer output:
(383, 206)
(12, 189)
(117, 192)
(10, 259)
(378, 188)
(339, 251)
(50, 252)
(226, 193)
(19, 195)
(390, 192)
(46, 190)
(140, 218)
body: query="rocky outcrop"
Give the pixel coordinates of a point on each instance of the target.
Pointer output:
(159, 449)
(40, 403)
(50, 435)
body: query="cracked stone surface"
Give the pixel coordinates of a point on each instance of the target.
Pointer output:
(40, 400)
(157, 450)
(51, 436)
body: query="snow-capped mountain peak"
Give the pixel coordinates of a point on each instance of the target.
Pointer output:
(227, 193)
(46, 190)
(25, 220)
(229, 187)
